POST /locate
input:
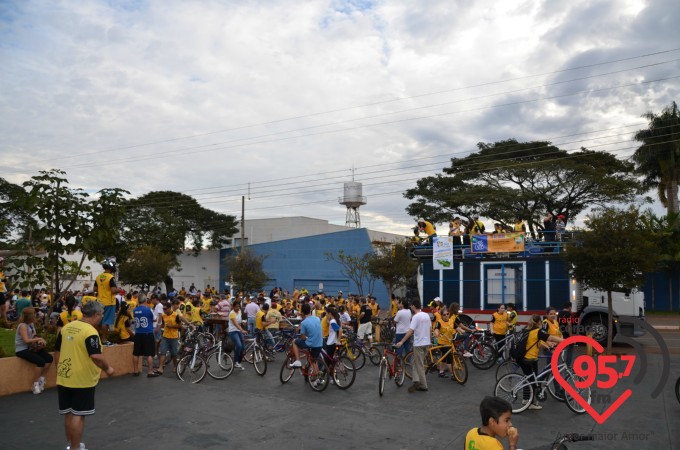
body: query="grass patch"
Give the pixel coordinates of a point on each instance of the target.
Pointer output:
(6, 342)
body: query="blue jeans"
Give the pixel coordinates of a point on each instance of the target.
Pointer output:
(251, 326)
(237, 337)
(404, 349)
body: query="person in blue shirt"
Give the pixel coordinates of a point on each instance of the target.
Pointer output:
(144, 342)
(310, 335)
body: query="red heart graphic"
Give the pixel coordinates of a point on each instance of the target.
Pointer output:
(555, 362)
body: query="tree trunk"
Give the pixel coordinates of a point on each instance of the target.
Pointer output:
(672, 195)
(168, 284)
(80, 266)
(610, 322)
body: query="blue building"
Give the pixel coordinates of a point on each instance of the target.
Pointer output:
(302, 262)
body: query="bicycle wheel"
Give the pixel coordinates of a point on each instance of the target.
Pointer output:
(220, 364)
(554, 388)
(381, 376)
(343, 375)
(192, 368)
(286, 371)
(318, 377)
(399, 372)
(512, 388)
(506, 367)
(354, 353)
(483, 356)
(585, 394)
(259, 361)
(460, 370)
(374, 355)
(248, 354)
(408, 365)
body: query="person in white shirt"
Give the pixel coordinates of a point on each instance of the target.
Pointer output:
(402, 320)
(420, 329)
(251, 310)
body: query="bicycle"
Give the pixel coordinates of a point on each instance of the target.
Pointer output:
(220, 363)
(558, 444)
(255, 355)
(515, 387)
(314, 370)
(483, 354)
(393, 369)
(341, 368)
(193, 360)
(436, 355)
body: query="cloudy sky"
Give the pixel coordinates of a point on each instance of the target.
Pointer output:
(279, 100)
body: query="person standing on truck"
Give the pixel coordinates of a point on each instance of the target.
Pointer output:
(427, 228)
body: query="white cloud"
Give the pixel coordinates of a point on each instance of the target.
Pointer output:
(86, 83)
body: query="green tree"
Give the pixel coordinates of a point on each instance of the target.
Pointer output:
(146, 265)
(666, 229)
(510, 178)
(246, 270)
(393, 265)
(169, 221)
(614, 252)
(61, 220)
(12, 216)
(658, 158)
(354, 267)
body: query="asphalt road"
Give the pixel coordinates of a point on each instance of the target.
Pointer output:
(247, 411)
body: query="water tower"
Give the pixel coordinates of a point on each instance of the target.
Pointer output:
(352, 200)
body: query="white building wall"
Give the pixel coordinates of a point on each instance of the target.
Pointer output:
(202, 270)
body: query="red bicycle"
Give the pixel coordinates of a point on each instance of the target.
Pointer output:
(390, 365)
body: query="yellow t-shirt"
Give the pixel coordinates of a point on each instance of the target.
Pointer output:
(553, 328)
(273, 315)
(533, 344)
(374, 309)
(259, 320)
(87, 299)
(104, 294)
(394, 307)
(476, 440)
(76, 369)
(325, 326)
(122, 329)
(205, 305)
(195, 314)
(446, 331)
(500, 324)
(66, 317)
(3, 288)
(171, 322)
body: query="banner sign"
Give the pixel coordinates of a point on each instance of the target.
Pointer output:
(497, 243)
(442, 253)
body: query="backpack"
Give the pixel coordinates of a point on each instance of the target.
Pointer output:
(519, 346)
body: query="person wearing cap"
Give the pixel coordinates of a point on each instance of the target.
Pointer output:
(427, 228)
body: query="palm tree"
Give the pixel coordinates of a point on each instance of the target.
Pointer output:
(658, 158)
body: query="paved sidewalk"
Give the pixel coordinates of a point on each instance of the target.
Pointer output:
(664, 322)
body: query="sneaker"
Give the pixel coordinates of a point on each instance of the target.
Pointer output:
(296, 364)
(535, 406)
(239, 366)
(467, 354)
(36, 388)
(41, 383)
(442, 374)
(107, 343)
(414, 387)
(80, 447)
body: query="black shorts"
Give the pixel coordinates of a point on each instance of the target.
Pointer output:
(144, 345)
(76, 401)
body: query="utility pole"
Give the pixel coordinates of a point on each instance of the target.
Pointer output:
(243, 222)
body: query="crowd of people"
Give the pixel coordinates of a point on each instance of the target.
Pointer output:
(553, 229)
(153, 321)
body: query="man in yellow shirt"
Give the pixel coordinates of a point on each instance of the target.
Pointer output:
(106, 295)
(427, 228)
(79, 361)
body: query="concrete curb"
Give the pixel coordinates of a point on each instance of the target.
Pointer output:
(666, 327)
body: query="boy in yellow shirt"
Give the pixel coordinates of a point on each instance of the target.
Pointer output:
(496, 422)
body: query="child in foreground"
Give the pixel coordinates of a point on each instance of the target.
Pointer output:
(496, 414)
